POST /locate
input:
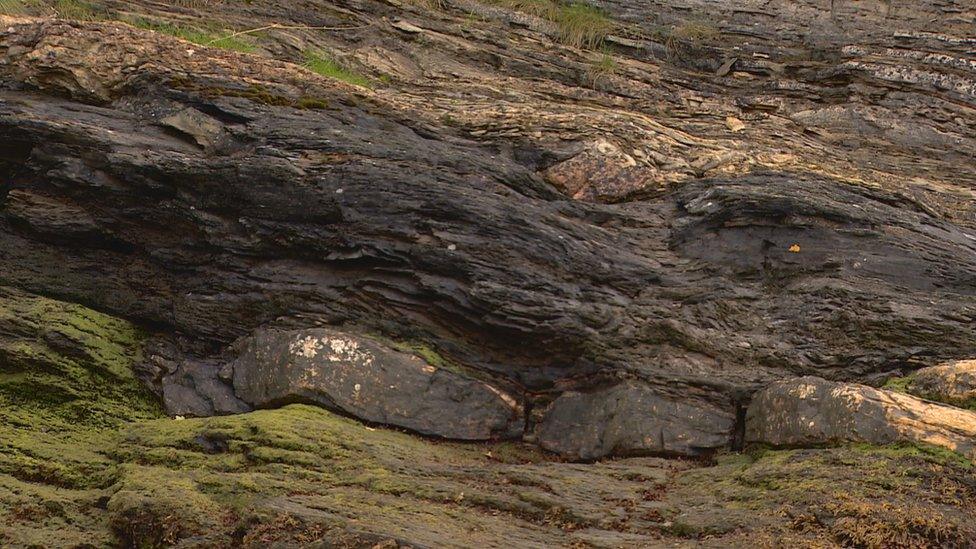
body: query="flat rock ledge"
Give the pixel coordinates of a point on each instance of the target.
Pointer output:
(810, 411)
(953, 383)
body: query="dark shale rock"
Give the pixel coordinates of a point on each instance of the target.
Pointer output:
(196, 388)
(364, 378)
(813, 411)
(629, 419)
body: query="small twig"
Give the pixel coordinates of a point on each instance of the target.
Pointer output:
(284, 27)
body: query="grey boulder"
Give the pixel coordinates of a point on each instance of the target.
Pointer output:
(632, 419)
(365, 378)
(810, 411)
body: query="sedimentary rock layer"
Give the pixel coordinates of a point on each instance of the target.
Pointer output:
(615, 232)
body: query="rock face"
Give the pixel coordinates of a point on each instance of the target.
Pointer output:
(631, 419)
(813, 411)
(613, 231)
(363, 378)
(442, 217)
(952, 383)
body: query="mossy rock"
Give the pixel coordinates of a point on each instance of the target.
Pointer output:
(66, 385)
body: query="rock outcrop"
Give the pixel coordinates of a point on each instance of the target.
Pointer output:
(446, 217)
(953, 383)
(813, 411)
(207, 205)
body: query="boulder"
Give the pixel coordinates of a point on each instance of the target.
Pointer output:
(813, 411)
(952, 383)
(629, 419)
(362, 377)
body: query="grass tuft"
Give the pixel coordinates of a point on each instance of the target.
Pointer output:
(77, 10)
(14, 7)
(197, 36)
(546, 9)
(429, 4)
(578, 25)
(689, 35)
(582, 26)
(602, 68)
(320, 63)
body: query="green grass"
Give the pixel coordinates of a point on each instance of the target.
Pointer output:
(688, 35)
(546, 9)
(582, 26)
(75, 9)
(578, 25)
(602, 68)
(14, 7)
(324, 65)
(65, 9)
(428, 4)
(197, 36)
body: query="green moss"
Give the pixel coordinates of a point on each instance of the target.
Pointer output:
(312, 103)
(66, 383)
(155, 507)
(241, 462)
(904, 385)
(927, 452)
(320, 63)
(858, 491)
(899, 384)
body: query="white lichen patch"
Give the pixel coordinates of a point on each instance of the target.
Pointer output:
(346, 350)
(332, 349)
(803, 391)
(307, 346)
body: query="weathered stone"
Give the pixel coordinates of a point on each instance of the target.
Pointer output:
(601, 172)
(364, 378)
(204, 130)
(813, 411)
(632, 419)
(953, 383)
(196, 389)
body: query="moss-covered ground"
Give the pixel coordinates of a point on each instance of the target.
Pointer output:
(66, 386)
(88, 459)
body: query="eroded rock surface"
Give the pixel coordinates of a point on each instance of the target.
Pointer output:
(596, 221)
(813, 411)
